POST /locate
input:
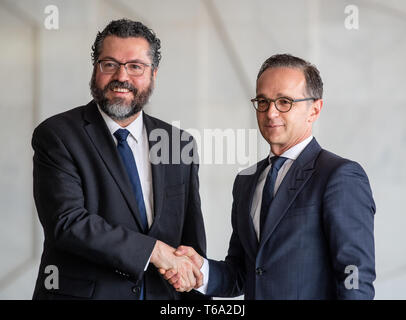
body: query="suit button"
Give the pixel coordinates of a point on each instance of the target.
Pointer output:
(136, 290)
(259, 271)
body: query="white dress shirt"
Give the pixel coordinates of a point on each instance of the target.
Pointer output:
(138, 142)
(292, 155)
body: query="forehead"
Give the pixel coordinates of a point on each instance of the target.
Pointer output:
(124, 49)
(281, 81)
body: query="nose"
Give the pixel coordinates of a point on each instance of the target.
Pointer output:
(121, 74)
(272, 111)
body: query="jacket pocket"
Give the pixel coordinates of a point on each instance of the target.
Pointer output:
(80, 288)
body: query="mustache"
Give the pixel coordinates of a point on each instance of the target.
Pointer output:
(115, 84)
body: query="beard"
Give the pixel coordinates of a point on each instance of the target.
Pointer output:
(118, 108)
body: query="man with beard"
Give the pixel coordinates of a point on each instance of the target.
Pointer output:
(110, 215)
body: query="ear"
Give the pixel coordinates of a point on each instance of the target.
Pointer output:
(154, 73)
(315, 110)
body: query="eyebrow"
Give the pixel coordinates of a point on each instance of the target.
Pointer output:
(278, 95)
(131, 61)
(261, 96)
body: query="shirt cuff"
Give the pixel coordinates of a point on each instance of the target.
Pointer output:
(205, 270)
(146, 266)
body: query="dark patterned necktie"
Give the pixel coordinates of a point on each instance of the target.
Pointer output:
(129, 163)
(268, 191)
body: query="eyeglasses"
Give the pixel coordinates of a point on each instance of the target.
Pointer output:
(282, 104)
(133, 68)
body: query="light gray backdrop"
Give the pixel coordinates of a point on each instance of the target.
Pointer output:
(212, 50)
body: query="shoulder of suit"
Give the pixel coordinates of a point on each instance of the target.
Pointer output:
(160, 124)
(251, 170)
(331, 159)
(62, 120)
(331, 162)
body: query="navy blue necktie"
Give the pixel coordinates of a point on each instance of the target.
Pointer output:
(131, 167)
(129, 163)
(268, 191)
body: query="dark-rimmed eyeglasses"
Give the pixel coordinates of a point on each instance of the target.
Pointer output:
(133, 68)
(282, 104)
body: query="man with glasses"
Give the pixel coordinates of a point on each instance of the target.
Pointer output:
(111, 214)
(303, 221)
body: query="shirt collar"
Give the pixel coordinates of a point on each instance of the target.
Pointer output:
(295, 151)
(134, 127)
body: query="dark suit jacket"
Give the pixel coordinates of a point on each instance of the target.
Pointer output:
(320, 222)
(90, 218)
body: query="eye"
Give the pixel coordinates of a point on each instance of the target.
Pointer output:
(135, 66)
(109, 64)
(262, 103)
(284, 101)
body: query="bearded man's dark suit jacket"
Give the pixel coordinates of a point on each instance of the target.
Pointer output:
(320, 222)
(90, 218)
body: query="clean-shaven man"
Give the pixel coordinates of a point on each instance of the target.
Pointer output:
(303, 223)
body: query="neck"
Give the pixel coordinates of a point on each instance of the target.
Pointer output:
(278, 149)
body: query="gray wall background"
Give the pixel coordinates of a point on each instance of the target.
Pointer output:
(212, 50)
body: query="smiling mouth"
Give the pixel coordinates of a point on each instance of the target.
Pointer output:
(274, 126)
(120, 90)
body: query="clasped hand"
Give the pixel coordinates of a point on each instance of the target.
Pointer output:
(181, 266)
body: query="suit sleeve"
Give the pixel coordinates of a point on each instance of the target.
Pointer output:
(227, 278)
(67, 224)
(193, 233)
(349, 211)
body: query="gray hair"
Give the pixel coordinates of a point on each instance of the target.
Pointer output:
(125, 28)
(314, 84)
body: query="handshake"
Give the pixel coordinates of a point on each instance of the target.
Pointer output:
(181, 266)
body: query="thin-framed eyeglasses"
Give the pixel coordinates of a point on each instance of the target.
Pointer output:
(133, 68)
(282, 104)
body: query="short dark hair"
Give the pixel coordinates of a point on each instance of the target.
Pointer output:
(125, 28)
(314, 84)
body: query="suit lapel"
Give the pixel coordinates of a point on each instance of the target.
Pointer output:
(100, 136)
(247, 232)
(296, 178)
(158, 172)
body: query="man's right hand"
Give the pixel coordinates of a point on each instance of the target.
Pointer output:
(173, 277)
(188, 275)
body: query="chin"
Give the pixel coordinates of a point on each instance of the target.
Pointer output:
(121, 102)
(274, 139)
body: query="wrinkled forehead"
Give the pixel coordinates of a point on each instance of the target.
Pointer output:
(281, 81)
(125, 49)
